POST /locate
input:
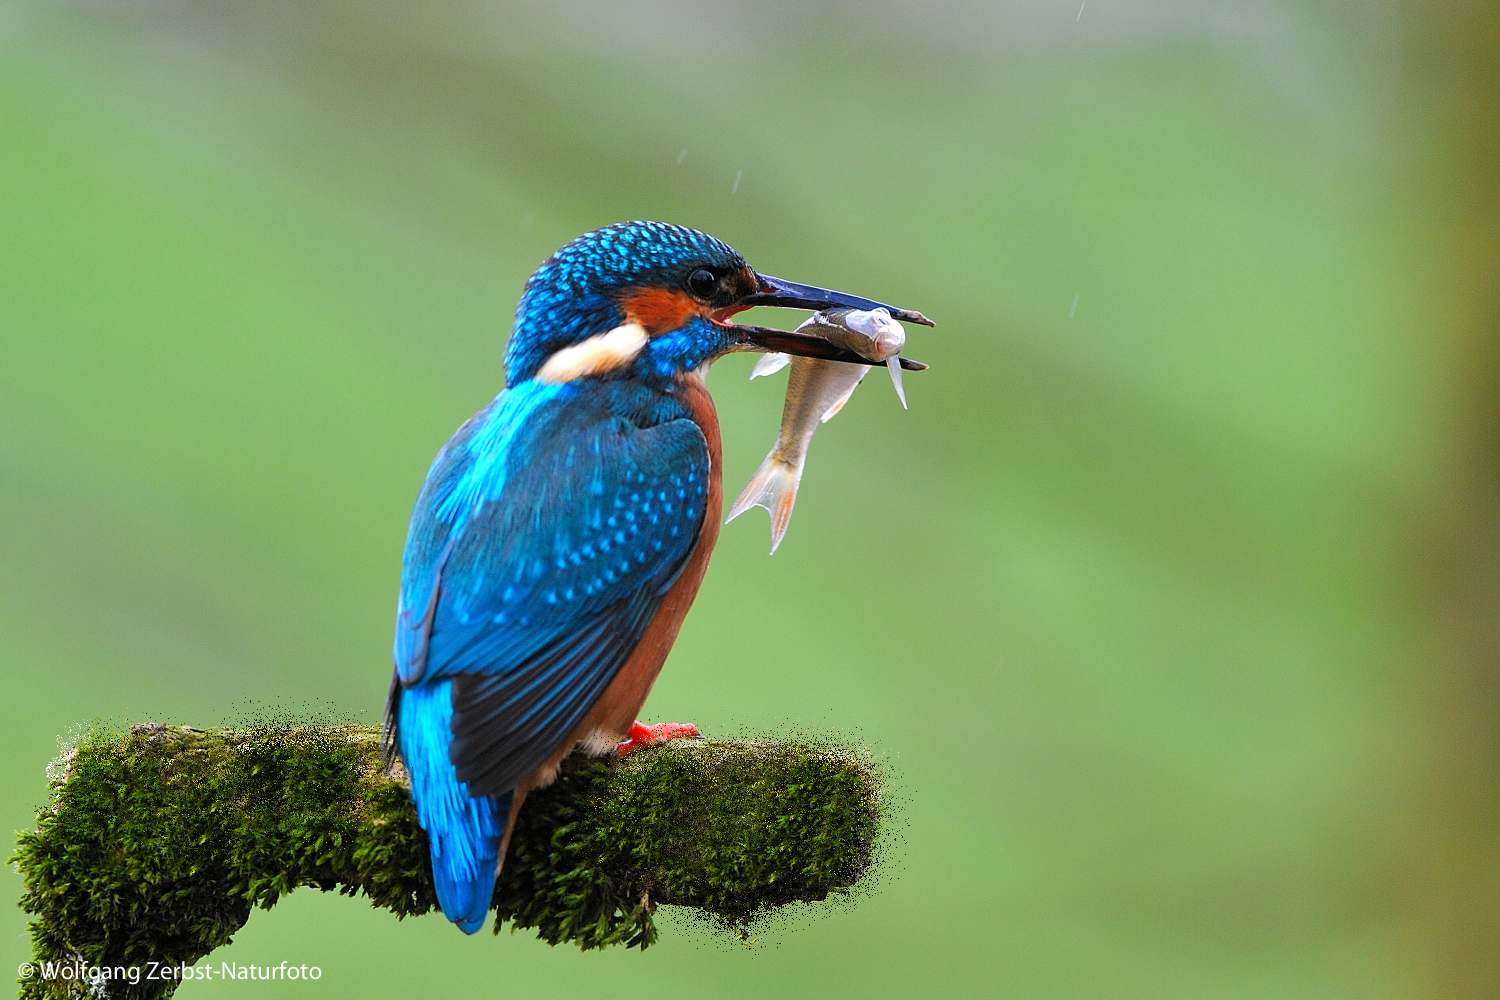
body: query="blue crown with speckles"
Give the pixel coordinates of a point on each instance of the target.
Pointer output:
(573, 295)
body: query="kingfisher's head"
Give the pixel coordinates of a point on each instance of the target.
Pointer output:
(646, 299)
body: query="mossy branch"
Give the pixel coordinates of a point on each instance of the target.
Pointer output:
(156, 844)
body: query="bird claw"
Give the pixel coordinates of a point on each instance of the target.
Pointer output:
(642, 735)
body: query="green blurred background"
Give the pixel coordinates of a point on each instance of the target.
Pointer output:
(1172, 600)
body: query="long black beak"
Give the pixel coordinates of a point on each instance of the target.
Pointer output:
(789, 294)
(786, 342)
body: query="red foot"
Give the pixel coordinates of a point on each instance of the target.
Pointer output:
(645, 735)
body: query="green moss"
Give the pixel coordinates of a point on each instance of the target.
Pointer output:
(157, 844)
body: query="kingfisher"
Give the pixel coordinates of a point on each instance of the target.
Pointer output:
(562, 532)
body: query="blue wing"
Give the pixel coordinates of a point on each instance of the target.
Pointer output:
(547, 532)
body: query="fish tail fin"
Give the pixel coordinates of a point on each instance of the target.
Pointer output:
(464, 832)
(774, 487)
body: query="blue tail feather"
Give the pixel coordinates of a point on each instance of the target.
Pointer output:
(464, 832)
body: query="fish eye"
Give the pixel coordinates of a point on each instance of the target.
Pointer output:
(702, 283)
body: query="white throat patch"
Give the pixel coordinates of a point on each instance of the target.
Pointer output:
(595, 356)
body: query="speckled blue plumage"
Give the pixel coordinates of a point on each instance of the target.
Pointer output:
(547, 531)
(574, 289)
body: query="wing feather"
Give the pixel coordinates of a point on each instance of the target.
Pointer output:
(547, 533)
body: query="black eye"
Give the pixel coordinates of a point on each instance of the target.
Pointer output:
(702, 283)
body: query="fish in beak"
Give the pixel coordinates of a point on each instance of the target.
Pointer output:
(819, 386)
(791, 295)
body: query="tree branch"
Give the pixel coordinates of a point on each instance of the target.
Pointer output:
(156, 844)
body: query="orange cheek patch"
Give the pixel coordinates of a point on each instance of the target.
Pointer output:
(660, 310)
